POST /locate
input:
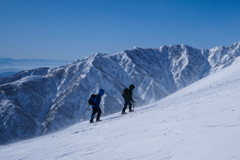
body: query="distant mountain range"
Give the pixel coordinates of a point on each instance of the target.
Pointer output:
(9, 66)
(43, 100)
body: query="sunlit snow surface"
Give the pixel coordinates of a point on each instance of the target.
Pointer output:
(44, 100)
(199, 122)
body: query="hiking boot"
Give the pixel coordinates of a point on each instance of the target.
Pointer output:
(124, 113)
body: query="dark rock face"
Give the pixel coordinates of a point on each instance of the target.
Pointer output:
(43, 100)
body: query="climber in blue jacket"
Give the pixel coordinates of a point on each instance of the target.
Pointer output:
(95, 102)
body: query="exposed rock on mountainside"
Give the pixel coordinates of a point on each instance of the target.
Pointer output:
(45, 99)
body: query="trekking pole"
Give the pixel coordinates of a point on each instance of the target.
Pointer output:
(92, 117)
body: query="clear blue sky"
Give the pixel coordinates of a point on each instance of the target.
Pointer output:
(74, 29)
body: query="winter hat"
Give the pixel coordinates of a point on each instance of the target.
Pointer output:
(101, 92)
(131, 87)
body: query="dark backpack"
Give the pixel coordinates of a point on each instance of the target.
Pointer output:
(91, 99)
(125, 93)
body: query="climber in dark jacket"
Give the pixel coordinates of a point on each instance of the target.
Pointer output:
(95, 107)
(127, 95)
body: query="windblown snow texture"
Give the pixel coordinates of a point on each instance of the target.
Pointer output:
(42, 100)
(199, 122)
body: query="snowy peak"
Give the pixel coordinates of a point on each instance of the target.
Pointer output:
(220, 57)
(236, 45)
(199, 122)
(47, 99)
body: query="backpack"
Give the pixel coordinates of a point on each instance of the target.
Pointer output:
(125, 93)
(91, 99)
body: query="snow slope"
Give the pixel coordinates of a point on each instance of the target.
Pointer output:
(43, 100)
(199, 122)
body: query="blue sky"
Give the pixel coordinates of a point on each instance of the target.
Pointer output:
(74, 29)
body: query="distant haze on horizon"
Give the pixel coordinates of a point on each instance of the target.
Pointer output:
(69, 30)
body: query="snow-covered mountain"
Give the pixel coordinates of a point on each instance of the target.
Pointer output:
(42, 100)
(199, 122)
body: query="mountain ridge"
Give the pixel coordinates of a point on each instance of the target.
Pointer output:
(47, 99)
(10, 66)
(200, 121)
